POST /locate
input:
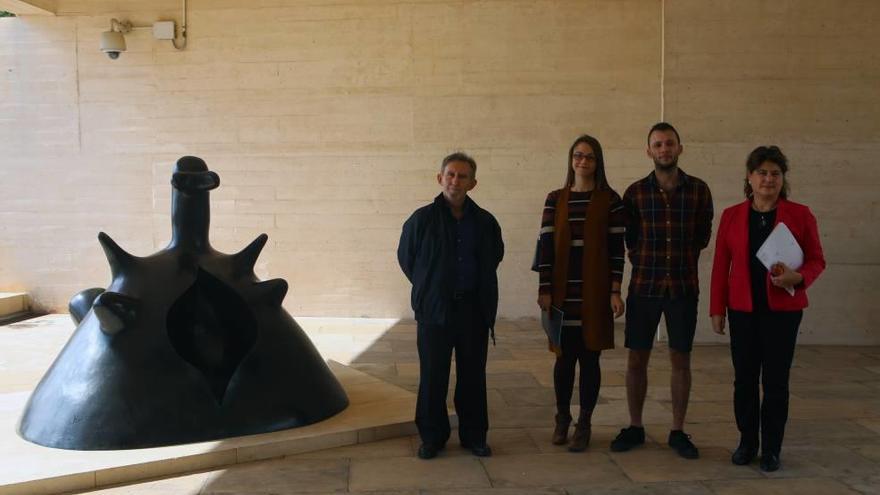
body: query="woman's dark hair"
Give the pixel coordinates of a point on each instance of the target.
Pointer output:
(763, 154)
(601, 181)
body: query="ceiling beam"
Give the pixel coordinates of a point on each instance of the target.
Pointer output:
(29, 7)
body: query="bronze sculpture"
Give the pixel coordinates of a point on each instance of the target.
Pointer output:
(185, 345)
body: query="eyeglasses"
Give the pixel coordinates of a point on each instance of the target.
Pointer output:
(578, 156)
(775, 174)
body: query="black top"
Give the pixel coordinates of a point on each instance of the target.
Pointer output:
(760, 226)
(466, 268)
(426, 256)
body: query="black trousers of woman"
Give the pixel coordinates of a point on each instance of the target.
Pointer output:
(574, 352)
(762, 348)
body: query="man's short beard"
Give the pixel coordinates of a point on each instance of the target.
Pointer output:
(664, 166)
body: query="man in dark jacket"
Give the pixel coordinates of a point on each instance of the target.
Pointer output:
(450, 251)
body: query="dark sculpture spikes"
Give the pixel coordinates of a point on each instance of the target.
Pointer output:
(185, 345)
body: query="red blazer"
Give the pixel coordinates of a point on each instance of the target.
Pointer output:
(731, 278)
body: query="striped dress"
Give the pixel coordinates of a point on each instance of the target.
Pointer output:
(578, 203)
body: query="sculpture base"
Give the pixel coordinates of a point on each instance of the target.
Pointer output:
(378, 410)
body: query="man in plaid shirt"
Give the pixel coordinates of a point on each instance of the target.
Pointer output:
(670, 223)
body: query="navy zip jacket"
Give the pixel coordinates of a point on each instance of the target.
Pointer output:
(427, 256)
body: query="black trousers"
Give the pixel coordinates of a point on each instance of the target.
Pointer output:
(762, 346)
(575, 352)
(467, 335)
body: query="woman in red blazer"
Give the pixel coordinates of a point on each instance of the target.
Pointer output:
(764, 317)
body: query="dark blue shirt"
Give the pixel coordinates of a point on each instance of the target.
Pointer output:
(466, 252)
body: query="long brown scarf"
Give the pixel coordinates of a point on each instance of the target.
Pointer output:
(596, 319)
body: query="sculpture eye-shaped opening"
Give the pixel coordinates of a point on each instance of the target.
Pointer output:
(211, 327)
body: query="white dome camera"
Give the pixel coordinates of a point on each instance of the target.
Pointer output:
(113, 41)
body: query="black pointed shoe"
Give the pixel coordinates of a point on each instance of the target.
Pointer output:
(770, 462)
(428, 451)
(743, 455)
(478, 449)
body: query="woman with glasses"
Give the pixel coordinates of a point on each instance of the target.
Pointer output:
(581, 267)
(764, 306)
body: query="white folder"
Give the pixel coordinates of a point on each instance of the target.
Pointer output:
(781, 247)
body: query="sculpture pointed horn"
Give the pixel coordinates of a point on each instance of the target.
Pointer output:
(115, 311)
(272, 292)
(81, 303)
(243, 262)
(118, 259)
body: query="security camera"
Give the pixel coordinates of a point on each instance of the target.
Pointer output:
(112, 41)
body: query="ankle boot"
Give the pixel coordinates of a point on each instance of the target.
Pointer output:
(581, 437)
(560, 433)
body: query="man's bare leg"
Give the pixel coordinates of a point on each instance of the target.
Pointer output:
(680, 386)
(637, 384)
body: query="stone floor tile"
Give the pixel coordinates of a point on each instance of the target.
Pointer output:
(801, 486)
(854, 408)
(393, 447)
(182, 485)
(655, 392)
(533, 396)
(708, 411)
(503, 441)
(548, 470)
(872, 424)
(521, 416)
(514, 380)
(402, 473)
(825, 461)
(616, 413)
(835, 357)
(281, 477)
(653, 463)
(863, 484)
(600, 439)
(629, 488)
(844, 390)
(801, 432)
(870, 452)
(723, 435)
(822, 374)
(496, 491)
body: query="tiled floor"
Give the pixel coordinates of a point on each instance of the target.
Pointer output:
(832, 443)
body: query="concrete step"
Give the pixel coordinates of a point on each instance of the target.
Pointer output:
(12, 303)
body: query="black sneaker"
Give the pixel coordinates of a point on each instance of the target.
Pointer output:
(681, 443)
(628, 438)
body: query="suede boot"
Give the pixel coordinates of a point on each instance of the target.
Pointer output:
(560, 433)
(581, 437)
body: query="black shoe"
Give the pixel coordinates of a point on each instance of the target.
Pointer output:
(769, 462)
(428, 451)
(628, 438)
(681, 443)
(478, 449)
(744, 454)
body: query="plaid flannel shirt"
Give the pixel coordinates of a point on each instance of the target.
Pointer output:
(665, 235)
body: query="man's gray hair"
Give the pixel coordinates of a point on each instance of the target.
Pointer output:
(459, 156)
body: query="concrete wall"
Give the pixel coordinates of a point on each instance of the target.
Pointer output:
(804, 75)
(327, 120)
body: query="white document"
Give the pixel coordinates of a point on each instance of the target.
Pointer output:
(781, 247)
